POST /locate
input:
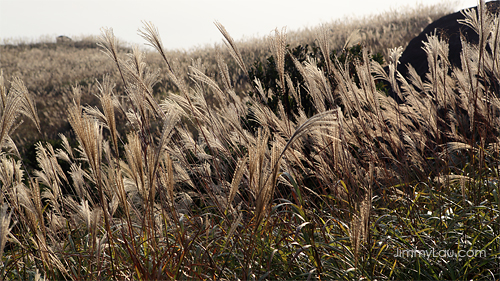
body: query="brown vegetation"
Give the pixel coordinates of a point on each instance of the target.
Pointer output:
(208, 182)
(50, 70)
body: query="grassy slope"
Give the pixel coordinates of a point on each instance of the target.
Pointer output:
(362, 180)
(50, 70)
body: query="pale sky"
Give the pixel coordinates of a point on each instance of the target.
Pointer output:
(182, 23)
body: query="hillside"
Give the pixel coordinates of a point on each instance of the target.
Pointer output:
(49, 70)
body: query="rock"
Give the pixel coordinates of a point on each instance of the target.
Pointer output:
(63, 39)
(449, 29)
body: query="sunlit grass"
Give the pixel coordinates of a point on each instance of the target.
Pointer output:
(206, 181)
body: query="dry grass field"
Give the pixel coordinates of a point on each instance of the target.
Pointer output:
(50, 70)
(281, 158)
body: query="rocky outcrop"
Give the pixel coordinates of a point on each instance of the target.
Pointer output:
(63, 39)
(449, 29)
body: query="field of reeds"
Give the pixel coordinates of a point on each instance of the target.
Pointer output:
(286, 158)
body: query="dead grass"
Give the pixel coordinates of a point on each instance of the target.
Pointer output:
(50, 70)
(191, 191)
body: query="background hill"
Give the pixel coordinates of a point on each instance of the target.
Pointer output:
(51, 69)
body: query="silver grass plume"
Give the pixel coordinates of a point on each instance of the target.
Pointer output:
(324, 45)
(17, 101)
(278, 48)
(109, 43)
(232, 47)
(108, 105)
(11, 173)
(151, 34)
(5, 220)
(353, 39)
(238, 174)
(439, 81)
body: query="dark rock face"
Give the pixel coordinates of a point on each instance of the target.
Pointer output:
(449, 29)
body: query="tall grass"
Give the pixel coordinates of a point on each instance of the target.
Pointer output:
(192, 190)
(49, 70)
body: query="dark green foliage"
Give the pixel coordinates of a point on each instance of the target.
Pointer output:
(268, 75)
(355, 54)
